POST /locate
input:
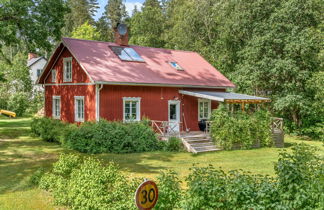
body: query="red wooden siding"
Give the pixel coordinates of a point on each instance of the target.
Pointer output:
(154, 103)
(78, 74)
(67, 93)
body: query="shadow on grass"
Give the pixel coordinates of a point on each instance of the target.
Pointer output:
(143, 163)
(20, 158)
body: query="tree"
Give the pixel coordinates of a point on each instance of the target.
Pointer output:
(30, 24)
(81, 11)
(86, 31)
(147, 26)
(115, 12)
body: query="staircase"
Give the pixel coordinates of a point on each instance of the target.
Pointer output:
(198, 143)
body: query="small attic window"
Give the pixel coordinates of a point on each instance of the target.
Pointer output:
(176, 65)
(127, 54)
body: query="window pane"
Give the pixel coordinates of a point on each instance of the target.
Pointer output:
(133, 54)
(173, 111)
(119, 51)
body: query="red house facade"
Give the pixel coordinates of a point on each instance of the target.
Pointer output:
(88, 80)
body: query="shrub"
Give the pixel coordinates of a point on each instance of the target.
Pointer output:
(49, 129)
(299, 185)
(300, 178)
(116, 137)
(174, 144)
(18, 103)
(169, 190)
(87, 184)
(240, 130)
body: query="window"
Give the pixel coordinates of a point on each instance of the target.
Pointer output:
(126, 54)
(53, 75)
(79, 108)
(204, 107)
(56, 107)
(131, 109)
(67, 69)
(176, 65)
(39, 71)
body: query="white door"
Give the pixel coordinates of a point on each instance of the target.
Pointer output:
(174, 116)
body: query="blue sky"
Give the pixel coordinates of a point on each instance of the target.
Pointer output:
(128, 3)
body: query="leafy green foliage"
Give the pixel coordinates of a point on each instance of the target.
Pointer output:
(298, 185)
(116, 137)
(18, 103)
(300, 178)
(169, 190)
(148, 25)
(48, 129)
(31, 23)
(79, 12)
(86, 31)
(240, 129)
(87, 184)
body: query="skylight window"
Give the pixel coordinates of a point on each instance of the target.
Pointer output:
(126, 54)
(176, 65)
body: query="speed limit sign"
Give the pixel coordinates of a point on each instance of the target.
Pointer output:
(146, 195)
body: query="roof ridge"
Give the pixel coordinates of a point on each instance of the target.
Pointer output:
(161, 48)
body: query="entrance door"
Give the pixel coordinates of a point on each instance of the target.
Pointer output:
(174, 116)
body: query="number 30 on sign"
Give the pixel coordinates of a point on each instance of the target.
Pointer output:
(146, 195)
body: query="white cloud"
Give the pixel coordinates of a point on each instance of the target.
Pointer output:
(131, 5)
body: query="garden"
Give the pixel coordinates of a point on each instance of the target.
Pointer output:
(30, 181)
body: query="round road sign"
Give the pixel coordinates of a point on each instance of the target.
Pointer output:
(146, 195)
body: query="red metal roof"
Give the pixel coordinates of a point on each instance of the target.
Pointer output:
(103, 65)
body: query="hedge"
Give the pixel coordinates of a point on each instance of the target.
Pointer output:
(103, 136)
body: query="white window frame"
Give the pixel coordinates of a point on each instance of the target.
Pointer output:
(53, 107)
(209, 108)
(65, 61)
(138, 108)
(53, 75)
(76, 118)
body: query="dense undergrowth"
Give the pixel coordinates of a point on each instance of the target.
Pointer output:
(85, 183)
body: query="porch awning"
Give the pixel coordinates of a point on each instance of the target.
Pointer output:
(227, 97)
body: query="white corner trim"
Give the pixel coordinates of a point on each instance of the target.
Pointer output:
(76, 119)
(209, 107)
(53, 107)
(138, 107)
(98, 88)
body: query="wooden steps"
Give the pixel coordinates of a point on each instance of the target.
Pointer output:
(199, 143)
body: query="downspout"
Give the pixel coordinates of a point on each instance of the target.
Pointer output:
(98, 88)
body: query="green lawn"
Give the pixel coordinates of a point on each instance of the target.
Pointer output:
(21, 155)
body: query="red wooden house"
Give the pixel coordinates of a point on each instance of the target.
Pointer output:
(88, 80)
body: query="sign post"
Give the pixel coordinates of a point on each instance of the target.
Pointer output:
(146, 195)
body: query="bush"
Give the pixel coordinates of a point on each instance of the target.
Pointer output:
(87, 184)
(18, 103)
(116, 137)
(299, 185)
(240, 130)
(49, 129)
(169, 190)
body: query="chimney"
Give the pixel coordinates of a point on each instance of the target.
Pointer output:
(32, 55)
(121, 34)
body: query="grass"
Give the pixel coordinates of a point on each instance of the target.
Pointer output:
(21, 155)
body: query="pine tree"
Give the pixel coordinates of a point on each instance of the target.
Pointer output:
(81, 11)
(147, 26)
(115, 11)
